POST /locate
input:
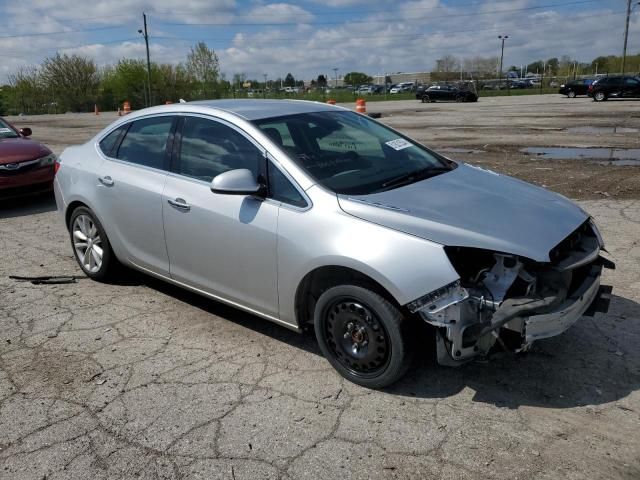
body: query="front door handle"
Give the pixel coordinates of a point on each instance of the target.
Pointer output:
(107, 181)
(180, 204)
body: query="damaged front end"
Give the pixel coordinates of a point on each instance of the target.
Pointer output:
(513, 300)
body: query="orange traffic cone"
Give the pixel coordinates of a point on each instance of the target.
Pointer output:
(331, 101)
(95, 109)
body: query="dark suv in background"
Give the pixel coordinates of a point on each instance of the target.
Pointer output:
(615, 87)
(576, 87)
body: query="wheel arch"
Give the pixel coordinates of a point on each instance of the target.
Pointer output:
(320, 279)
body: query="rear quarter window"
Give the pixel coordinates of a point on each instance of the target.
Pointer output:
(110, 143)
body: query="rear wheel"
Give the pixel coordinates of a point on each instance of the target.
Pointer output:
(571, 94)
(425, 99)
(460, 98)
(90, 244)
(600, 96)
(362, 335)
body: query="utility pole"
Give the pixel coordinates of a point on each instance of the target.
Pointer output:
(145, 34)
(264, 90)
(503, 38)
(335, 70)
(626, 36)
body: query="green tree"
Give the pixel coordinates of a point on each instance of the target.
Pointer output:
(72, 79)
(553, 65)
(357, 78)
(289, 81)
(321, 81)
(535, 67)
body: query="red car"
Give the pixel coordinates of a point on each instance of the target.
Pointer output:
(26, 166)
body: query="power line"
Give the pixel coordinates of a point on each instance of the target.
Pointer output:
(62, 32)
(384, 20)
(347, 36)
(67, 20)
(359, 11)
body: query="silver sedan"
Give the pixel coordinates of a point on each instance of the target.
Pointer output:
(308, 214)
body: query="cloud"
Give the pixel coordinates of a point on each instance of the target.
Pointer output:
(384, 37)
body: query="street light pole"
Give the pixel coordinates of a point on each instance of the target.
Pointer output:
(145, 34)
(264, 89)
(335, 70)
(503, 38)
(626, 35)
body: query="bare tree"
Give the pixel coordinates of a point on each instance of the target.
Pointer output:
(203, 65)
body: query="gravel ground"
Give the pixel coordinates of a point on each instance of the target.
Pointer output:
(138, 379)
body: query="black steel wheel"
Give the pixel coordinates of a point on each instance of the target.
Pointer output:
(362, 335)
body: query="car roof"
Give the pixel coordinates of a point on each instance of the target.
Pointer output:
(257, 109)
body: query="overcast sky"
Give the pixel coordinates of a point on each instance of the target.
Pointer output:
(311, 37)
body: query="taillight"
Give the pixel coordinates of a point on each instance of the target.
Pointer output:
(591, 88)
(56, 166)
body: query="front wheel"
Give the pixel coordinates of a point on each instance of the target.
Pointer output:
(364, 337)
(425, 99)
(90, 244)
(571, 94)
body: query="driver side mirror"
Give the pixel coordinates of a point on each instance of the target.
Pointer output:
(237, 182)
(25, 132)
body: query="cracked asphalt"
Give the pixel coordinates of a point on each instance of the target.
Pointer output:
(143, 380)
(140, 379)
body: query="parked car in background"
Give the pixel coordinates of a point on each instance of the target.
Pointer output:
(403, 87)
(447, 93)
(575, 87)
(26, 166)
(311, 215)
(615, 87)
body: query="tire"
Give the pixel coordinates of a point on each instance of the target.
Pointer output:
(460, 99)
(571, 94)
(349, 321)
(84, 226)
(599, 96)
(425, 99)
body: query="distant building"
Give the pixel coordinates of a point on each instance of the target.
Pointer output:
(415, 77)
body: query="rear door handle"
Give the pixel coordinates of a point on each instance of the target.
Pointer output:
(107, 181)
(180, 204)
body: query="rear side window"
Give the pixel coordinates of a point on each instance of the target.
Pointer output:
(146, 142)
(111, 141)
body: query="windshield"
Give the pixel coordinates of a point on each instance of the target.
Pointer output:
(6, 131)
(351, 154)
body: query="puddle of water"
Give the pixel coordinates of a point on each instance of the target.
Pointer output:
(596, 130)
(459, 150)
(604, 156)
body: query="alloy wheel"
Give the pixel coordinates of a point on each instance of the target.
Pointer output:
(87, 243)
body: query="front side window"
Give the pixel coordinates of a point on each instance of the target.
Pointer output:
(282, 190)
(631, 82)
(146, 142)
(6, 131)
(350, 154)
(209, 148)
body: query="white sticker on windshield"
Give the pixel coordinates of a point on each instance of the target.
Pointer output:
(6, 130)
(399, 144)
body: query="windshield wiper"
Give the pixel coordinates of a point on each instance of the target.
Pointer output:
(411, 177)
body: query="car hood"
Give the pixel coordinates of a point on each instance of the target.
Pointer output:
(13, 150)
(473, 207)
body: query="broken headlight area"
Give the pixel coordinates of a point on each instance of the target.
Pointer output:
(513, 300)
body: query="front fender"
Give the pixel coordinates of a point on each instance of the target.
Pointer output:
(405, 265)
